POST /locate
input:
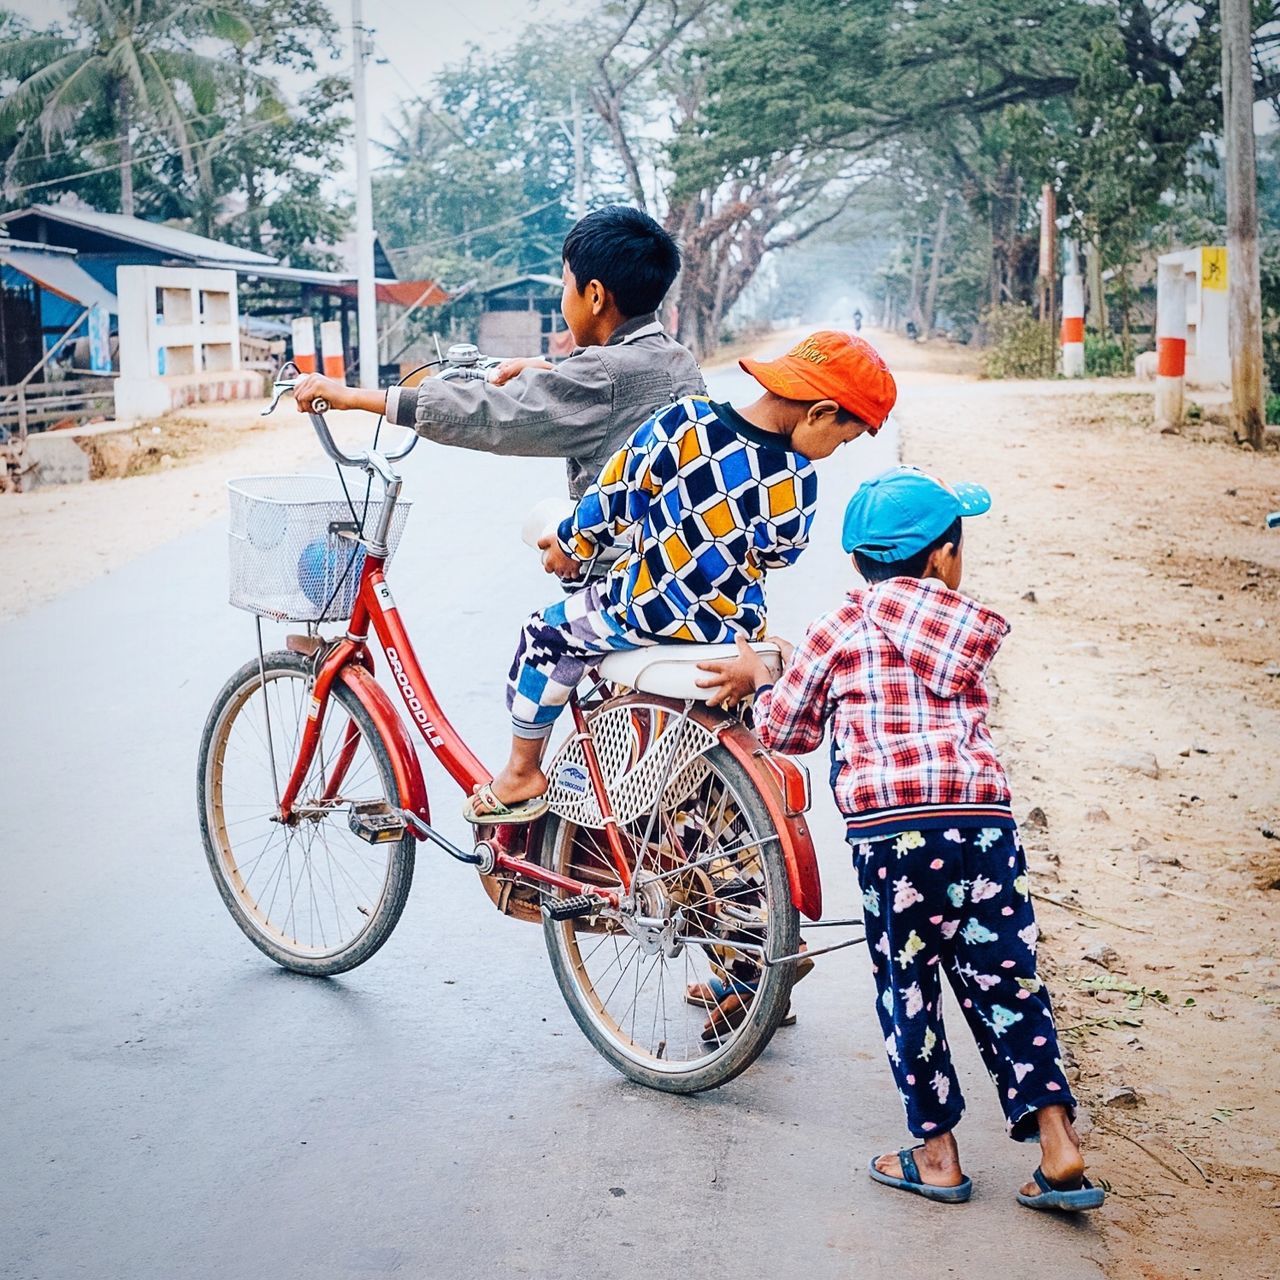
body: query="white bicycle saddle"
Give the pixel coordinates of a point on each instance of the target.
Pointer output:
(671, 670)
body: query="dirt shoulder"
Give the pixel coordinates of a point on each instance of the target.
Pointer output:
(1138, 708)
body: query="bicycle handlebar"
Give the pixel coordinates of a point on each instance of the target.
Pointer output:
(463, 362)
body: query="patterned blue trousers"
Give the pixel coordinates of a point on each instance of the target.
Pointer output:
(959, 900)
(556, 647)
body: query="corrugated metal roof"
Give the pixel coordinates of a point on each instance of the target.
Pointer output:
(533, 278)
(153, 235)
(59, 274)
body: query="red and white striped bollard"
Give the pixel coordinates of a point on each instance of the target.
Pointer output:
(304, 344)
(331, 353)
(1171, 342)
(1073, 325)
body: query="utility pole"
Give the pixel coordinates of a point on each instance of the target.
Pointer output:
(1048, 273)
(572, 128)
(579, 172)
(1244, 290)
(366, 298)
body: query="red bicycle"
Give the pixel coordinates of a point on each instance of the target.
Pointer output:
(675, 853)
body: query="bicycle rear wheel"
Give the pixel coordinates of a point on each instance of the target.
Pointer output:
(312, 895)
(712, 867)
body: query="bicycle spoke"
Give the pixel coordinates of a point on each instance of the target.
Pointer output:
(697, 851)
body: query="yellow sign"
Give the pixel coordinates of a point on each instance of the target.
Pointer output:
(1213, 267)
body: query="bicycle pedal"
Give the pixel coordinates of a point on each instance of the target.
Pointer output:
(376, 822)
(581, 904)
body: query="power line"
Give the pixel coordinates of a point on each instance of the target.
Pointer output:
(428, 245)
(119, 164)
(116, 141)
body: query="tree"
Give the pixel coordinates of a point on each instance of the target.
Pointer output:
(252, 147)
(128, 54)
(479, 174)
(662, 52)
(1108, 99)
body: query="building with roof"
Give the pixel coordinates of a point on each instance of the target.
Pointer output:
(46, 297)
(521, 317)
(104, 242)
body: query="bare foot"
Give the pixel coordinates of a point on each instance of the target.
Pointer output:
(513, 785)
(1061, 1160)
(938, 1161)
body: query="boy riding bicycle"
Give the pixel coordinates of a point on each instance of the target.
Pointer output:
(707, 499)
(617, 265)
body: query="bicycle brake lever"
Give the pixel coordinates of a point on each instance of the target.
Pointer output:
(280, 388)
(318, 405)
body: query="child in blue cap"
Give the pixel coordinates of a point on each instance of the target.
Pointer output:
(898, 670)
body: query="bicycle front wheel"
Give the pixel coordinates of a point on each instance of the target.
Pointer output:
(709, 865)
(311, 894)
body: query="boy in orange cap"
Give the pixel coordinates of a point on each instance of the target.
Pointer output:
(705, 498)
(834, 365)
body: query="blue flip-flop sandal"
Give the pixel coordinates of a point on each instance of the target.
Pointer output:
(912, 1181)
(1085, 1196)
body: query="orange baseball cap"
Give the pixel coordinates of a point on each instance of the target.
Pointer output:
(831, 365)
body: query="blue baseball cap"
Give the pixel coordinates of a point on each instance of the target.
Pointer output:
(900, 512)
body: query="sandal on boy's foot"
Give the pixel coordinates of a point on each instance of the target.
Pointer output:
(1067, 1199)
(727, 1016)
(495, 813)
(706, 995)
(730, 1014)
(911, 1181)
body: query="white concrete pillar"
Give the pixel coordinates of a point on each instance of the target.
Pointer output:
(331, 353)
(1073, 325)
(1171, 341)
(304, 344)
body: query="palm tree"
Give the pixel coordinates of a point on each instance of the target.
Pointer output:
(135, 55)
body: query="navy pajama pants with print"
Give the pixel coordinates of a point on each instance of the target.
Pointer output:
(958, 900)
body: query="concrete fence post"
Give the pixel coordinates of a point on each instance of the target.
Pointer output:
(1171, 343)
(331, 353)
(304, 344)
(1073, 325)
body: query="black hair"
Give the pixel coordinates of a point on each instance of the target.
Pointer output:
(629, 253)
(913, 566)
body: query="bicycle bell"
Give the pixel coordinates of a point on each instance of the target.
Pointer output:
(463, 354)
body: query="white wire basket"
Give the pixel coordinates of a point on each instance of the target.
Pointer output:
(289, 558)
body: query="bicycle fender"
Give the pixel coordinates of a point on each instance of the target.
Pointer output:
(404, 757)
(793, 831)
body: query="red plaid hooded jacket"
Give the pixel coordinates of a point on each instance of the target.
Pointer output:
(898, 670)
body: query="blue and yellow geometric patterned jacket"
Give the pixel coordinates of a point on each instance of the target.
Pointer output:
(705, 503)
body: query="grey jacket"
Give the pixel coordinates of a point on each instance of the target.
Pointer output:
(582, 410)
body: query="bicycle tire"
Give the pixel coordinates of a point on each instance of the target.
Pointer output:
(230, 703)
(769, 1005)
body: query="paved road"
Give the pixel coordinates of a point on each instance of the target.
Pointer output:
(175, 1106)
